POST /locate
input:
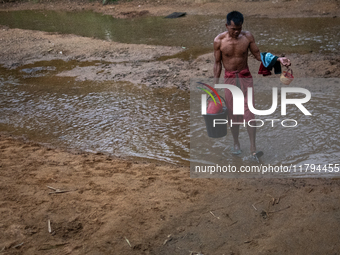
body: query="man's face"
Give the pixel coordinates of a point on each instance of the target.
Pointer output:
(234, 30)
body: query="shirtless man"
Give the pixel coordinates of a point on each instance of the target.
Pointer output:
(231, 50)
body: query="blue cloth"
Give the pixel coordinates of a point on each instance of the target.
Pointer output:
(270, 61)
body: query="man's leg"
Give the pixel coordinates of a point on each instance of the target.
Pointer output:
(235, 132)
(252, 137)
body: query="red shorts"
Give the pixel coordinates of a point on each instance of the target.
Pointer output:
(243, 80)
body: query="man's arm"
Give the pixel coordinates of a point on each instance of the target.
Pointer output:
(253, 47)
(218, 59)
(256, 52)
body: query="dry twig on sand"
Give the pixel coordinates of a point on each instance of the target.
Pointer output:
(214, 215)
(167, 240)
(56, 191)
(49, 226)
(18, 245)
(256, 204)
(128, 242)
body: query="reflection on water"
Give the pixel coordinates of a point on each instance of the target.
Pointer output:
(196, 33)
(118, 118)
(315, 140)
(129, 120)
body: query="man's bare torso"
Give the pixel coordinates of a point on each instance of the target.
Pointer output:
(234, 51)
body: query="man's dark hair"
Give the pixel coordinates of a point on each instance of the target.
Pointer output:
(236, 17)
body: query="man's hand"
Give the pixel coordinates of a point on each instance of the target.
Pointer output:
(284, 61)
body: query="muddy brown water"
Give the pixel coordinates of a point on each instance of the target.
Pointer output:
(194, 32)
(117, 118)
(296, 144)
(124, 119)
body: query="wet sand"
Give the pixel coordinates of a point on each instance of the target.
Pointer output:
(116, 206)
(135, 63)
(139, 63)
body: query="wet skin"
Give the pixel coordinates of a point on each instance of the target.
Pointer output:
(231, 51)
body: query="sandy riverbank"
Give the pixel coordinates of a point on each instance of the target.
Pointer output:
(158, 209)
(138, 63)
(128, 8)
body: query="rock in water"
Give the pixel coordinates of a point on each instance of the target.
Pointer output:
(176, 15)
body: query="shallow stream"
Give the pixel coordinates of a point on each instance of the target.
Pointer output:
(194, 32)
(117, 118)
(135, 121)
